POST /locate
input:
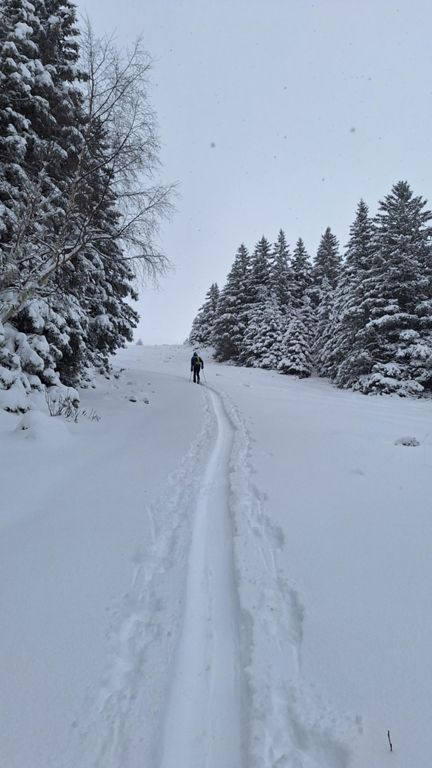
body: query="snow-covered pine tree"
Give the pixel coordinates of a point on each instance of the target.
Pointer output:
(40, 142)
(323, 314)
(260, 274)
(395, 343)
(296, 353)
(325, 274)
(262, 343)
(233, 301)
(326, 265)
(41, 121)
(204, 323)
(258, 291)
(300, 274)
(347, 314)
(280, 283)
(19, 68)
(308, 316)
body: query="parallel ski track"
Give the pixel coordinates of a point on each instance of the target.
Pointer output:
(203, 722)
(231, 635)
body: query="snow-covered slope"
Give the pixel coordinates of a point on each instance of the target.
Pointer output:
(229, 576)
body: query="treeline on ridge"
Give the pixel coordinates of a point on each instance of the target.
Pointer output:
(363, 320)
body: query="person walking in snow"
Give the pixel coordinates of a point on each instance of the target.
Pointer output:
(196, 364)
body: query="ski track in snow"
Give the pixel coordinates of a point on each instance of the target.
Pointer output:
(203, 725)
(120, 724)
(209, 675)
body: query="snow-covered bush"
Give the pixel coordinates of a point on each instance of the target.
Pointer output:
(14, 384)
(297, 359)
(387, 378)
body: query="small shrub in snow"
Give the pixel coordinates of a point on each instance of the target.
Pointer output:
(67, 407)
(409, 441)
(14, 390)
(91, 415)
(61, 406)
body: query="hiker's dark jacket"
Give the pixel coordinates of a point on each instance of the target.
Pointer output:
(196, 362)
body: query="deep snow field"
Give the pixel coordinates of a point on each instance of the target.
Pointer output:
(236, 575)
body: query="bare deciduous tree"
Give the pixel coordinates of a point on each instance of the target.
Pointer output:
(116, 165)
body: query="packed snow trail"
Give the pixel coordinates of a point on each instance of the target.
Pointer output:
(203, 724)
(108, 649)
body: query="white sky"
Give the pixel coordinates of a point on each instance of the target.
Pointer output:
(274, 113)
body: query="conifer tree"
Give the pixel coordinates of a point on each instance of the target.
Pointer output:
(322, 326)
(257, 292)
(39, 79)
(280, 283)
(261, 346)
(203, 326)
(40, 142)
(301, 274)
(260, 273)
(327, 264)
(296, 354)
(19, 70)
(347, 314)
(307, 315)
(232, 309)
(393, 349)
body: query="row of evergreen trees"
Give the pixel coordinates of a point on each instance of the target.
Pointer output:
(77, 138)
(364, 320)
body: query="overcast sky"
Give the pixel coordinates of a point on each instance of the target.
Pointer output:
(274, 114)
